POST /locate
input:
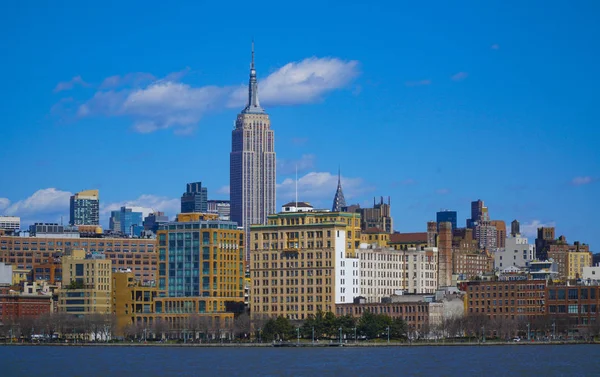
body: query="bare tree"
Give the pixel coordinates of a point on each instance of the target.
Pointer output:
(242, 326)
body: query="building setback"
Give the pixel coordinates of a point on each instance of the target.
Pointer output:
(194, 199)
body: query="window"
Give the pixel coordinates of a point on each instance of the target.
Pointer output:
(572, 309)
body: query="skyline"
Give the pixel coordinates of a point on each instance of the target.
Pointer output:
(399, 89)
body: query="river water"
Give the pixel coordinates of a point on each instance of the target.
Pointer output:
(513, 361)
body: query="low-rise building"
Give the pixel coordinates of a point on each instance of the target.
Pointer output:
(517, 252)
(14, 305)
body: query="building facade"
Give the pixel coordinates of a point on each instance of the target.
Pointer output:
(506, 299)
(517, 252)
(138, 254)
(153, 221)
(126, 221)
(386, 271)
(194, 199)
(446, 216)
(201, 259)
(252, 163)
(10, 223)
(221, 208)
(85, 208)
(303, 262)
(86, 284)
(379, 217)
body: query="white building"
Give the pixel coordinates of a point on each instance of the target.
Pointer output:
(591, 273)
(347, 272)
(385, 271)
(517, 253)
(5, 273)
(10, 222)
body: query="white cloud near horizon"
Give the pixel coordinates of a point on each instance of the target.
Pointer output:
(44, 205)
(319, 188)
(170, 104)
(146, 204)
(529, 229)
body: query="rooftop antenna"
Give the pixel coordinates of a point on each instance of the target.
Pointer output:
(296, 186)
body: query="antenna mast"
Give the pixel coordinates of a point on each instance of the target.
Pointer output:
(296, 186)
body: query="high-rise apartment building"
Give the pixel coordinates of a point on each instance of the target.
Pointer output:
(85, 208)
(194, 199)
(126, 221)
(446, 216)
(201, 259)
(478, 212)
(252, 163)
(303, 261)
(517, 252)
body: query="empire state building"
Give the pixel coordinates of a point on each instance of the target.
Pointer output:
(252, 164)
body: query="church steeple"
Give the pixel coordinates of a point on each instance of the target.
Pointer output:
(253, 104)
(338, 200)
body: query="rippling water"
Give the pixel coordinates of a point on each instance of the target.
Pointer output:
(566, 360)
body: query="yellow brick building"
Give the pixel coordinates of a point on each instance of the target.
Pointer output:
(576, 261)
(86, 285)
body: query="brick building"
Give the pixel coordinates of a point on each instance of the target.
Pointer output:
(508, 299)
(14, 305)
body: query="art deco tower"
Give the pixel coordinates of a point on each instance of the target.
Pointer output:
(252, 163)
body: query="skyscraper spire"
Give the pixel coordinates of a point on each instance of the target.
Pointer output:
(253, 104)
(338, 200)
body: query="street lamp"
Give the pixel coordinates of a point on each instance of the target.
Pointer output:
(528, 334)
(298, 330)
(340, 335)
(259, 338)
(313, 335)
(553, 330)
(388, 333)
(354, 334)
(484, 334)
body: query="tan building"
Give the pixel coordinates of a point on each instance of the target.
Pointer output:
(472, 265)
(137, 254)
(570, 258)
(86, 284)
(403, 241)
(303, 261)
(500, 233)
(130, 298)
(375, 236)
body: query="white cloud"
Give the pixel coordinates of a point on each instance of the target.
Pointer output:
(145, 203)
(530, 229)
(442, 191)
(319, 188)
(168, 103)
(304, 163)
(130, 79)
(68, 85)
(460, 76)
(301, 82)
(45, 205)
(580, 181)
(495, 46)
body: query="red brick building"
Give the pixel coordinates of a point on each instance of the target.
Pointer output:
(415, 314)
(506, 299)
(13, 306)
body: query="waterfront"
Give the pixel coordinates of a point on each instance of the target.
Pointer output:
(549, 360)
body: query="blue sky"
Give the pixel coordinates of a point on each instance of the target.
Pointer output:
(434, 104)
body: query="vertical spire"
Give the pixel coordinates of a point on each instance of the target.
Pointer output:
(253, 104)
(338, 200)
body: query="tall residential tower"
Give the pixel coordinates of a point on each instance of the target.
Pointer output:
(85, 208)
(252, 163)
